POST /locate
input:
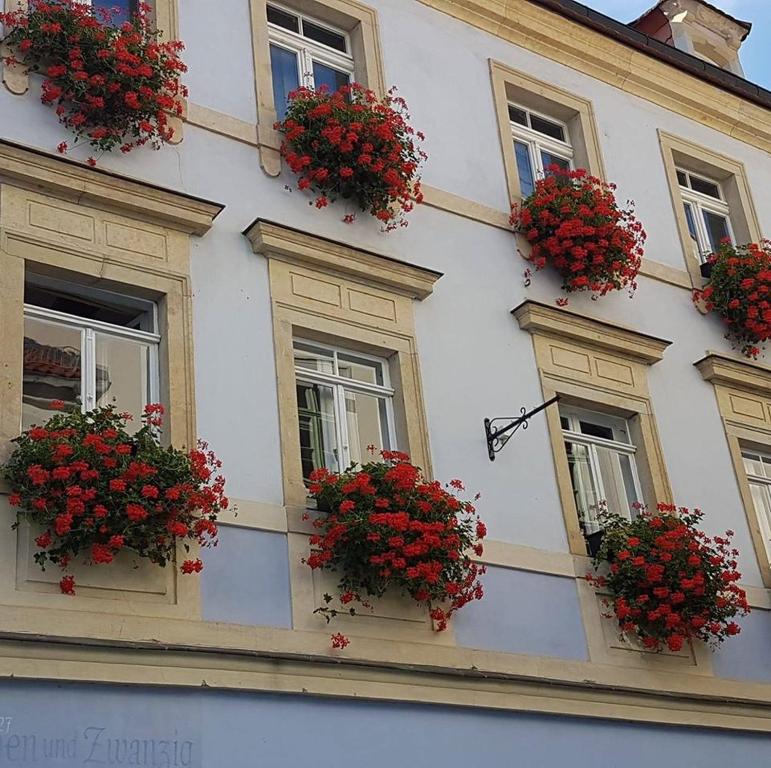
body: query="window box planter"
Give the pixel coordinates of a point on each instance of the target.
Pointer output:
(114, 86)
(706, 270)
(385, 529)
(96, 492)
(352, 145)
(669, 582)
(574, 225)
(739, 292)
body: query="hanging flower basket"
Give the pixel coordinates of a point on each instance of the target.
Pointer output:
(96, 490)
(669, 582)
(112, 86)
(384, 528)
(574, 225)
(739, 292)
(352, 145)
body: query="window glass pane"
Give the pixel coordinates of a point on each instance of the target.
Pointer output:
(564, 422)
(617, 480)
(51, 369)
(367, 425)
(329, 77)
(283, 64)
(283, 19)
(525, 169)
(548, 159)
(313, 358)
(705, 187)
(123, 375)
(753, 464)
(359, 369)
(691, 221)
(596, 430)
(584, 486)
(547, 127)
(325, 36)
(717, 228)
(318, 430)
(120, 10)
(517, 115)
(761, 496)
(682, 178)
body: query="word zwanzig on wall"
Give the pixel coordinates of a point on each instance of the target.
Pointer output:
(96, 746)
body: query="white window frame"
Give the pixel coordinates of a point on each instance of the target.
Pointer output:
(536, 141)
(307, 51)
(699, 203)
(88, 329)
(618, 424)
(341, 384)
(764, 482)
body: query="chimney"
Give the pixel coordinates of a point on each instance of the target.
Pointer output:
(698, 28)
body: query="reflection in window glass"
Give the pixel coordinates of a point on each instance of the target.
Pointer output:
(52, 369)
(324, 36)
(717, 228)
(286, 79)
(283, 19)
(584, 487)
(547, 127)
(366, 423)
(313, 358)
(548, 160)
(691, 221)
(524, 169)
(329, 77)
(318, 427)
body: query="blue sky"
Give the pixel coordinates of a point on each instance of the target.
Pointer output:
(756, 50)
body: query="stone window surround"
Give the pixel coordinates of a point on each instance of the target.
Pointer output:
(357, 19)
(732, 175)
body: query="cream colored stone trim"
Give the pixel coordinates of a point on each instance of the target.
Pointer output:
(743, 391)
(222, 124)
(461, 206)
(361, 23)
(326, 290)
(563, 40)
(732, 174)
(293, 246)
(511, 85)
(59, 218)
(244, 513)
(72, 181)
(538, 318)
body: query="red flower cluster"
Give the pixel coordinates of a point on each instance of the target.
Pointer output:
(573, 223)
(386, 527)
(350, 144)
(670, 582)
(97, 490)
(113, 86)
(739, 291)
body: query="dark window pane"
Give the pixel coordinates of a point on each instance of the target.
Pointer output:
(717, 228)
(596, 430)
(548, 159)
(85, 307)
(324, 36)
(691, 221)
(318, 431)
(547, 127)
(331, 78)
(682, 178)
(283, 19)
(283, 64)
(119, 10)
(525, 169)
(564, 422)
(705, 187)
(517, 115)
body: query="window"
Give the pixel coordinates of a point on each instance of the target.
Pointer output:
(706, 211)
(120, 10)
(88, 348)
(758, 469)
(539, 142)
(305, 51)
(601, 460)
(344, 403)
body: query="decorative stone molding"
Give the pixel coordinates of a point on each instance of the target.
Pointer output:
(538, 318)
(731, 372)
(74, 181)
(291, 245)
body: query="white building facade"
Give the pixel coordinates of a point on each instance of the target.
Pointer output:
(287, 338)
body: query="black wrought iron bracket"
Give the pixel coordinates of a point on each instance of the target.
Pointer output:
(497, 438)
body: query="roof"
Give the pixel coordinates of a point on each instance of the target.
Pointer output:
(627, 35)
